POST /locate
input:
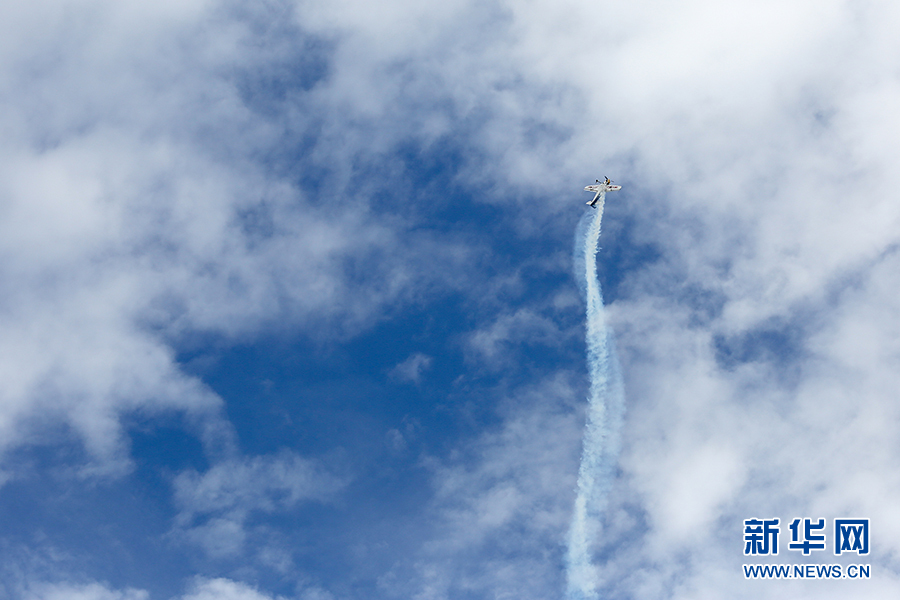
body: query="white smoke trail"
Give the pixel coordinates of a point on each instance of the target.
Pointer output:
(606, 405)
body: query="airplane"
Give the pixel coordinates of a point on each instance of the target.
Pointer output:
(606, 186)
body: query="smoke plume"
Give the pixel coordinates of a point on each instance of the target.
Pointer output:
(606, 405)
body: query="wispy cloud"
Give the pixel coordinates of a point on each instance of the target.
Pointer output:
(90, 591)
(224, 589)
(502, 504)
(214, 506)
(138, 212)
(412, 368)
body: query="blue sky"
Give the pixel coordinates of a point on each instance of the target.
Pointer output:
(287, 305)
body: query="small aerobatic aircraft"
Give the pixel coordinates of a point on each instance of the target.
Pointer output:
(606, 186)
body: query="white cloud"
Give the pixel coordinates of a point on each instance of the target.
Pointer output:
(136, 211)
(219, 588)
(214, 507)
(500, 342)
(412, 368)
(501, 505)
(224, 589)
(91, 591)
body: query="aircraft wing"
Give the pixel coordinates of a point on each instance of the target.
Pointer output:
(602, 187)
(599, 189)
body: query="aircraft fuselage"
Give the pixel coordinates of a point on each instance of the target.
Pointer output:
(599, 189)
